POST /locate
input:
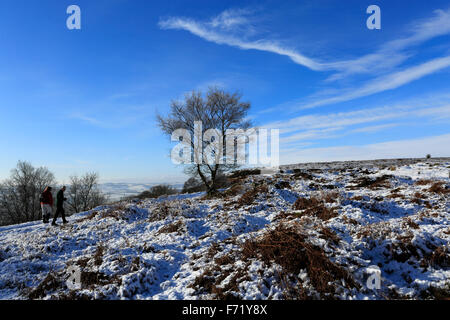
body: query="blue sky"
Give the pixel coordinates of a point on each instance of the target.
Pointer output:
(85, 100)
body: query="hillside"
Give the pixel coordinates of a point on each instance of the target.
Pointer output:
(310, 232)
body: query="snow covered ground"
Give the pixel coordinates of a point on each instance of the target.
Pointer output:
(307, 233)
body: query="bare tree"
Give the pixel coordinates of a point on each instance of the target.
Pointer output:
(218, 110)
(19, 195)
(84, 194)
(193, 185)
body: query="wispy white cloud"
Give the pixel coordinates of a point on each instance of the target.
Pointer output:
(213, 31)
(384, 83)
(232, 19)
(314, 134)
(391, 54)
(372, 129)
(123, 117)
(84, 118)
(326, 126)
(233, 28)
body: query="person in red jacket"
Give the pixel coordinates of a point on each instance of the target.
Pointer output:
(47, 204)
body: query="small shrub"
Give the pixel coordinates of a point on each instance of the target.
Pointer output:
(204, 282)
(302, 174)
(250, 196)
(50, 283)
(283, 185)
(329, 235)
(98, 256)
(403, 250)
(210, 283)
(135, 264)
(440, 293)
(419, 195)
(193, 185)
(441, 257)
(245, 173)
(224, 260)
(412, 224)
(162, 211)
(438, 187)
(377, 183)
(172, 227)
(350, 220)
(330, 197)
(157, 191)
(90, 279)
(213, 250)
(423, 182)
(314, 207)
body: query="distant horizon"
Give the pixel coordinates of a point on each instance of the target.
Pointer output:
(149, 181)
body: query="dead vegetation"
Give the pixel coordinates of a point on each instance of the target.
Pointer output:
(288, 248)
(438, 187)
(282, 185)
(329, 235)
(423, 182)
(52, 283)
(172, 227)
(98, 255)
(349, 220)
(370, 183)
(302, 174)
(82, 262)
(437, 293)
(440, 257)
(250, 196)
(379, 230)
(213, 250)
(315, 206)
(210, 282)
(244, 173)
(409, 222)
(402, 250)
(330, 196)
(49, 284)
(163, 210)
(89, 279)
(224, 260)
(285, 246)
(90, 216)
(233, 191)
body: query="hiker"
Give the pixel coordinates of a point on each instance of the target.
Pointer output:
(46, 204)
(60, 206)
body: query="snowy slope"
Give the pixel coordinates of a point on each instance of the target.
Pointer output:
(257, 242)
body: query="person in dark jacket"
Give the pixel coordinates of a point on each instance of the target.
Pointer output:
(60, 206)
(46, 204)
